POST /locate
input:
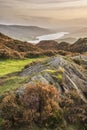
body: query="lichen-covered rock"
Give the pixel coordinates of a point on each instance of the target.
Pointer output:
(59, 71)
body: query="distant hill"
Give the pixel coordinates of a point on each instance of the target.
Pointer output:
(24, 33)
(68, 39)
(53, 45)
(79, 46)
(46, 45)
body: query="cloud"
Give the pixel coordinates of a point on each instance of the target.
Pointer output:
(44, 11)
(45, 1)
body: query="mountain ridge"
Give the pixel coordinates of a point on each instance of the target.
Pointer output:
(79, 46)
(15, 48)
(23, 32)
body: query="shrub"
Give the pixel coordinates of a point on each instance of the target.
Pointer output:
(49, 53)
(42, 99)
(75, 110)
(33, 54)
(16, 55)
(37, 104)
(7, 53)
(11, 111)
(4, 53)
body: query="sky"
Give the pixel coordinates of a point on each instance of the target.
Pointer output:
(45, 13)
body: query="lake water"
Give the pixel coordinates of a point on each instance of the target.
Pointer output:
(48, 37)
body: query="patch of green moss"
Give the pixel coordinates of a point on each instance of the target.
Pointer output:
(12, 83)
(67, 58)
(57, 74)
(50, 70)
(60, 77)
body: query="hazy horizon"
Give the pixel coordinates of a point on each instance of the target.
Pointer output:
(44, 13)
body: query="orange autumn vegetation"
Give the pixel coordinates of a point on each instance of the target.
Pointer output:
(37, 104)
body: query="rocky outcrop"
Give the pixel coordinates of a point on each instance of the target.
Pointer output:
(81, 60)
(64, 74)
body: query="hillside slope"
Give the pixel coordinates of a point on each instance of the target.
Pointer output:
(15, 48)
(79, 46)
